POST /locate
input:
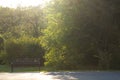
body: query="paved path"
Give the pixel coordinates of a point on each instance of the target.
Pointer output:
(61, 76)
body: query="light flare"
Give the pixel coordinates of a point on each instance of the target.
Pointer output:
(22, 3)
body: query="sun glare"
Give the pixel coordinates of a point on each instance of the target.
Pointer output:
(22, 3)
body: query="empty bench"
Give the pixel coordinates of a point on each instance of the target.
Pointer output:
(25, 62)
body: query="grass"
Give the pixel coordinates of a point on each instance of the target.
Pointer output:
(4, 68)
(7, 68)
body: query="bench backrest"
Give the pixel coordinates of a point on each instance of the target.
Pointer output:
(26, 60)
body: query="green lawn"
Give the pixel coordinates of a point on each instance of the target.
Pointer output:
(6, 68)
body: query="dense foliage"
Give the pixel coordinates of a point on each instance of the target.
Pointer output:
(21, 29)
(75, 34)
(82, 33)
(24, 47)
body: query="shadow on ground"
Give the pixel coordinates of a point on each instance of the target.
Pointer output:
(85, 75)
(60, 76)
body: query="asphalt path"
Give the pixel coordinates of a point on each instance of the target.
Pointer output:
(61, 76)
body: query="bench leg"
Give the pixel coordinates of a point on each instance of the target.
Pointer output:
(11, 68)
(39, 68)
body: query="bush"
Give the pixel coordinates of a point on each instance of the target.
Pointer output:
(24, 47)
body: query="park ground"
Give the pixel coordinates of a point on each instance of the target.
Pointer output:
(95, 75)
(33, 74)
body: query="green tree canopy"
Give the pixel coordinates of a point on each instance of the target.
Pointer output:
(81, 32)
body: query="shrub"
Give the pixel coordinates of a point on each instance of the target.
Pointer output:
(24, 47)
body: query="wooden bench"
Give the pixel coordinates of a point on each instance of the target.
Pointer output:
(25, 62)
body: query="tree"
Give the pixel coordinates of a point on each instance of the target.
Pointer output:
(34, 21)
(1, 43)
(1, 49)
(21, 29)
(84, 29)
(21, 21)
